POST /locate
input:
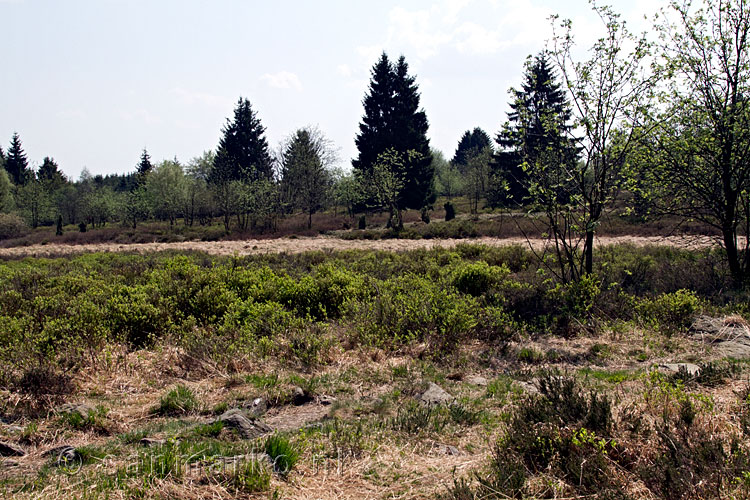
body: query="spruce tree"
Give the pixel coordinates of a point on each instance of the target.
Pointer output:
(49, 175)
(305, 180)
(393, 120)
(142, 170)
(538, 127)
(16, 163)
(471, 143)
(243, 150)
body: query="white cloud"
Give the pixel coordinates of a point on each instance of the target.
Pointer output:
(476, 39)
(282, 80)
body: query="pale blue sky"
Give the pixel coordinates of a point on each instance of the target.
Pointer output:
(92, 82)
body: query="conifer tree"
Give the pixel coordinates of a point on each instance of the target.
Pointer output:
(471, 143)
(393, 120)
(143, 168)
(16, 163)
(243, 150)
(538, 125)
(305, 178)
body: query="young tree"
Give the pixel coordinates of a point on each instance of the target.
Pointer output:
(610, 94)
(16, 163)
(539, 123)
(167, 189)
(305, 171)
(703, 165)
(394, 120)
(199, 201)
(243, 150)
(476, 174)
(6, 193)
(448, 178)
(385, 183)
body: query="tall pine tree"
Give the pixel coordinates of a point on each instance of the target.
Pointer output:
(393, 119)
(538, 127)
(16, 163)
(142, 170)
(243, 150)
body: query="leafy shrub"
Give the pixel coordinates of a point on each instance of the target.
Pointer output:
(671, 311)
(282, 452)
(476, 278)
(178, 401)
(12, 226)
(95, 420)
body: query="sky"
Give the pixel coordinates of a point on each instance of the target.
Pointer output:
(93, 82)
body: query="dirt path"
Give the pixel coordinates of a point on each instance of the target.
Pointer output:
(306, 244)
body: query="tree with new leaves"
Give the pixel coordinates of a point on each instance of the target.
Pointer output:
(610, 94)
(449, 181)
(243, 153)
(385, 183)
(16, 163)
(166, 190)
(539, 124)
(702, 164)
(394, 120)
(306, 178)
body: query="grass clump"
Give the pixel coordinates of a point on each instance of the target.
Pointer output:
(251, 476)
(179, 401)
(282, 452)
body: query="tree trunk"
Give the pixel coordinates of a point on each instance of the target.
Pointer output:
(309, 220)
(733, 257)
(588, 250)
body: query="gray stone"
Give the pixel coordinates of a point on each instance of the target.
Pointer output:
(81, 408)
(11, 450)
(692, 370)
(446, 449)
(256, 408)
(477, 380)
(326, 400)
(66, 455)
(435, 395)
(248, 427)
(729, 337)
(528, 387)
(300, 396)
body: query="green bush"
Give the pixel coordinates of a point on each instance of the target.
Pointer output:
(671, 312)
(12, 226)
(477, 278)
(251, 476)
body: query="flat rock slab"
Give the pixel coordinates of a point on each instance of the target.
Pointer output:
(476, 380)
(692, 370)
(435, 395)
(256, 408)
(149, 442)
(248, 427)
(81, 408)
(729, 336)
(11, 450)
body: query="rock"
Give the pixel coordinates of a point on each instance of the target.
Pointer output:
(729, 336)
(256, 408)
(446, 449)
(692, 370)
(435, 395)
(81, 408)
(326, 400)
(528, 387)
(300, 396)
(11, 450)
(477, 380)
(149, 442)
(248, 428)
(15, 429)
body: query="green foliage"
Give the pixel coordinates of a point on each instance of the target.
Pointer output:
(477, 278)
(283, 453)
(178, 401)
(12, 226)
(671, 312)
(251, 476)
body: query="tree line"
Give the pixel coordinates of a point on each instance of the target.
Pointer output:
(651, 127)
